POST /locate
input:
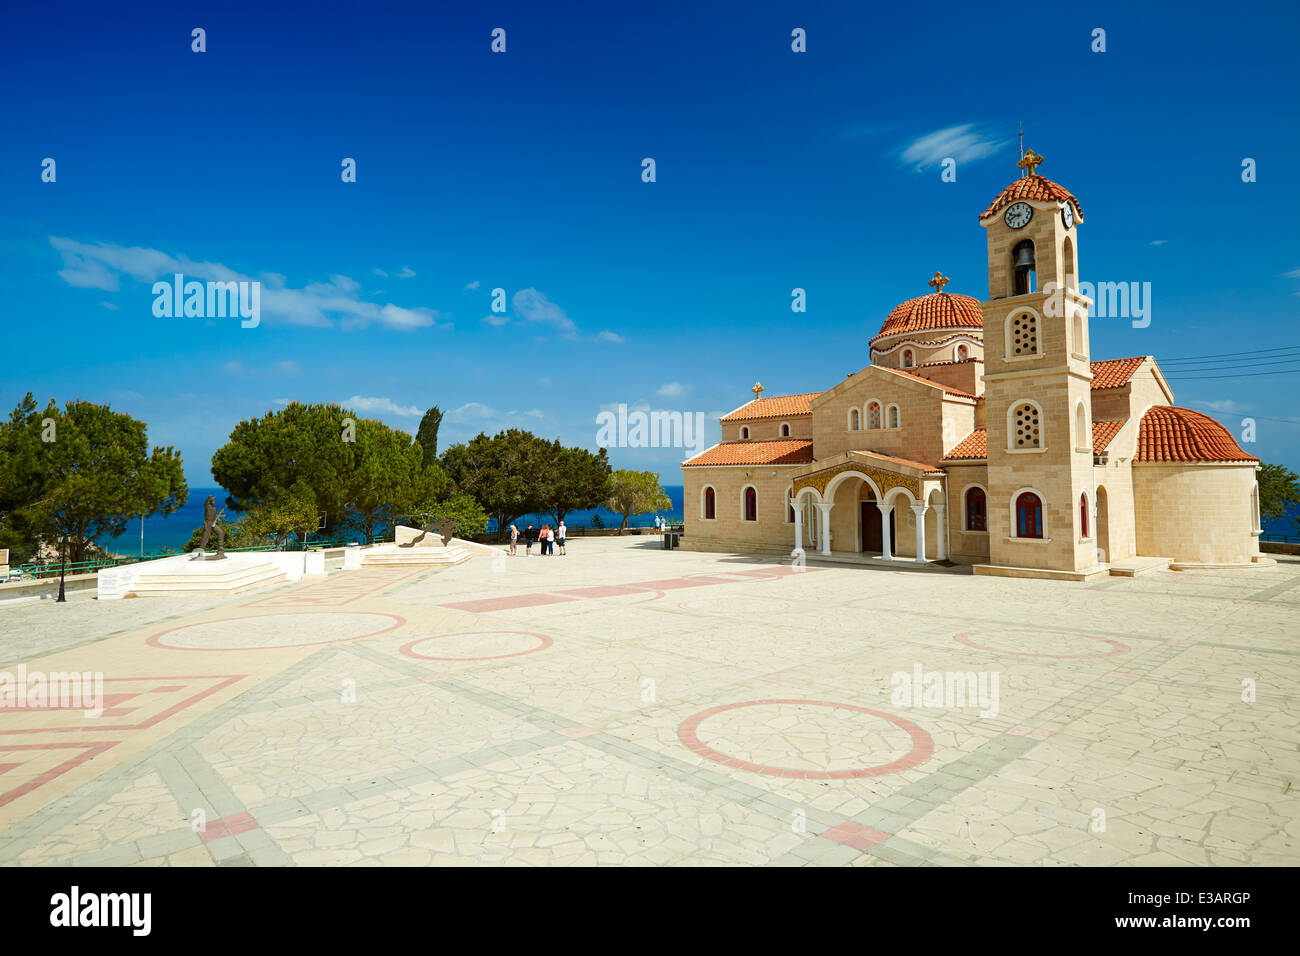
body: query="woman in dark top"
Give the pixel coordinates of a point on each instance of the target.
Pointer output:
(530, 535)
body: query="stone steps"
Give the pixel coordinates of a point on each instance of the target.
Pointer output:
(235, 581)
(415, 557)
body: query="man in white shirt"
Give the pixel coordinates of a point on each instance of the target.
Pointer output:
(560, 534)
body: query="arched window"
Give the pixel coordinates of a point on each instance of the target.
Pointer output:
(709, 503)
(1067, 264)
(963, 353)
(789, 508)
(1024, 334)
(873, 415)
(744, 432)
(1078, 345)
(785, 429)
(908, 358)
(751, 504)
(1024, 426)
(976, 510)
(1083, 516)
(1082, 438)
(893, 416)
(855, 420)
(1029, 515)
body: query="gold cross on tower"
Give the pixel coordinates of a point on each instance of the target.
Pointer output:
(939, 281)
(757, 389)
(1029, 162)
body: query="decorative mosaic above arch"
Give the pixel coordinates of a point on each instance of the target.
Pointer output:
(886, 481)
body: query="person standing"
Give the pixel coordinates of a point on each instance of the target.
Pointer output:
(562, 531)
(514, 540)
(547, 547)
(530, 535)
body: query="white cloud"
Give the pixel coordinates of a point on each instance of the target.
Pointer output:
(406, 273)
(371, 404)
(1293, 274)
(101, 265)
(233, 368)
(470, 411)
(379, 272)
(496, 318)
(964, 143)
(110, 306)
(533, 306)
(1224, 406)
(1158, 242)
(673, 390)
(288, 367)
(609, 337)
(471, 285)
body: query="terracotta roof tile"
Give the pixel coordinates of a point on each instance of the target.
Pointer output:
(1038, 188)
(1169, 433)
(927, 469)
(785, 451)
(1104, 432)
(974, 445)
(1114, 373)
(965, 361)
(938, 310)
(778, 406)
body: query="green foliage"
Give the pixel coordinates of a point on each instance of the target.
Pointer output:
(636, 493)
(82, 472)
(1279, 491)
(426, 436)
(459, 508)
(503, 473)
(573, 479)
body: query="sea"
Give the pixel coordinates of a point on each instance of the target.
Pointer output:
(174, 530)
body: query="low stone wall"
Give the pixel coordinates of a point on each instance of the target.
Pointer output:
(1280, 547)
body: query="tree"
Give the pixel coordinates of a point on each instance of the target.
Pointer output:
(462, 510)
(291, 513)
(1279, 493)
(426, 436)
(387, 475)
(573, 479)
(21, 480)
(94, 473)
(504, 473)
(636, 493)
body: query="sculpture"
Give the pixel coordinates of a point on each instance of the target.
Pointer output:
(211, 522)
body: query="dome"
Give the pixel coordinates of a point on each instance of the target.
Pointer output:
(1033, 188)
(938, 311)
(1169, 433)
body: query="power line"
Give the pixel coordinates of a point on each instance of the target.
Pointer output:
(1188, 358)
(1205, 378)
(1212, 361)
(1213, 368)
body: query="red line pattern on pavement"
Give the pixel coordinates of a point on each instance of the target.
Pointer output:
(223, 681)
(856, 835)
(88, 749)
(229, 826)
(922, 743)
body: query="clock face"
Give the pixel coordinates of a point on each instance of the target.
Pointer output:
(1067, 215)
(1018, 215)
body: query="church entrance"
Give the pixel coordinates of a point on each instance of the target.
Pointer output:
(872, 528)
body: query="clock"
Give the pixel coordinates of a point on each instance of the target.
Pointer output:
(1018, 215)
(1067, 215)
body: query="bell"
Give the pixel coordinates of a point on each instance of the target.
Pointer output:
(1024, 257)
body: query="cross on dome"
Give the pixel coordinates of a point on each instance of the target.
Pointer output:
(1029, 162)
(939, 281)
(757, 389)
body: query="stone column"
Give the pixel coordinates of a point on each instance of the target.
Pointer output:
(919, 511)
(798, 528)
(825, 510)
(886, 539)
(941, 520)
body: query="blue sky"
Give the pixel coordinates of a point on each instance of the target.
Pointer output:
(522, 171)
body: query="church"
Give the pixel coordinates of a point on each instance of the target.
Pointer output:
(983, 433)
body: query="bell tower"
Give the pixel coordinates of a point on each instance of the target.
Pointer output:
(1037, 379)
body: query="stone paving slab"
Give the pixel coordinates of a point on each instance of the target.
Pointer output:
(628, 706)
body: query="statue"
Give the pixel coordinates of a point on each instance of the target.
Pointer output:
(211, 522)
(444, 529)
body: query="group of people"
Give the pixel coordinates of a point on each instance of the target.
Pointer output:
(546, 536)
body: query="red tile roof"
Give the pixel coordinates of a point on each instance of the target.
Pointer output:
(927, 469)
(785, 451)
(965, 361)
(778, 406)
(938, 310)
(974, 445)
(1038, 188)
(1104, 432)
(948, 389)
(1115, 373)
(1169, 433)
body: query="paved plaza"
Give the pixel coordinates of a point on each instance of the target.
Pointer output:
(627, 705)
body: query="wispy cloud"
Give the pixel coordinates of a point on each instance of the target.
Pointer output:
(1224, 406)
(471, 285)
(534, 308)
(110, 306)
(102, 265)
(1158, 242)
(406, 273)
(673, 390)
(1293, 274)
(375, 404)
(379, 272)
(469, 412)
(965, 143)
